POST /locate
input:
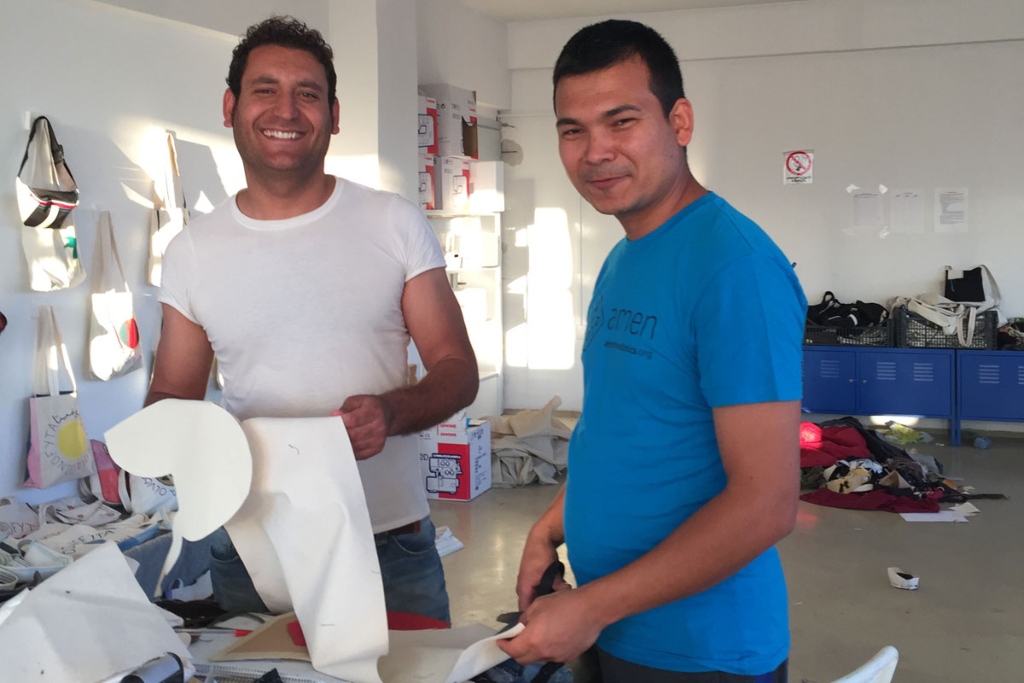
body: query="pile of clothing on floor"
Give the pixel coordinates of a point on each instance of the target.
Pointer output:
(854, 468)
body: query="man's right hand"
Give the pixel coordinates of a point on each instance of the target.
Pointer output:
(538, 554)
(368, 421)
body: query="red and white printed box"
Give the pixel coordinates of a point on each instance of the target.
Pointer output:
(427, 130)
(456, 120)
(427, 181)
(455, 459)
(455, 185)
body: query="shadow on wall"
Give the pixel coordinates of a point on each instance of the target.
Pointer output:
(199, 176)
(520, 206)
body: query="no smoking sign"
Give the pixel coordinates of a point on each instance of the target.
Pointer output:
(798, 167)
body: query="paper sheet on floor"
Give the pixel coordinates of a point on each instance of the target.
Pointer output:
(943, 516)
(965, 509)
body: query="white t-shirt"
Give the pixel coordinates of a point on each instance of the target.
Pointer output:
(305, 312)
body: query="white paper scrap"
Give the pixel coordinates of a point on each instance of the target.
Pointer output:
(943, 516)
(446, 542)
(965, 509)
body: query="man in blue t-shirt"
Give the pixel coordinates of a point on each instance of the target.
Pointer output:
(683, 468)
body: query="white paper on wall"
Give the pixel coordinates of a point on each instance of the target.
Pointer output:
(907, 211)
(951, 210)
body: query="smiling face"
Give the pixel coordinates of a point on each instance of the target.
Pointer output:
(281, 119)
(621, 152)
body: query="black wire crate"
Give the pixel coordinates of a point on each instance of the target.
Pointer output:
(913, 331)
(824, 335)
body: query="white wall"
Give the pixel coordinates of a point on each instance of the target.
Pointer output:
(230, 17)
(111, 81)
(460, 46)
(397, 102)
(912, 94)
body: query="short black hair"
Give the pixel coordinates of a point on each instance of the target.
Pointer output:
(283, 31)
(610, 42)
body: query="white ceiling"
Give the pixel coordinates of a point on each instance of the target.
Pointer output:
(525, 10)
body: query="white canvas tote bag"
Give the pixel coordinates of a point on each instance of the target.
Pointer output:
(114, 345)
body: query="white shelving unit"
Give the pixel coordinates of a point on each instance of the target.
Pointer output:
(472, 245)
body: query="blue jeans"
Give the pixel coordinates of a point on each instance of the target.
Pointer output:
(410, 569)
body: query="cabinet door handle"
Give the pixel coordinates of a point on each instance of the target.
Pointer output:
(851, 380)
(863, 381)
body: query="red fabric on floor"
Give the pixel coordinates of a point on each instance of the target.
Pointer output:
(823, 447)
(872, 500)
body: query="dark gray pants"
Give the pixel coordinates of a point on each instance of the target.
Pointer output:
(615, 670)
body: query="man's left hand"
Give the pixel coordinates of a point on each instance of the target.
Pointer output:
(559, 628)
(367, 419)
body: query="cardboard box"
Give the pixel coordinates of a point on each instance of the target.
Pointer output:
(456, 120)
(455, 185)
(455, 459)
(427, 181)
(427, 130)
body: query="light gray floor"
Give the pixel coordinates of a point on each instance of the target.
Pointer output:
(964, 624)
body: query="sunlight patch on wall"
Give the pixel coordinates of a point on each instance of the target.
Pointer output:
(517, 346)
(550, 335)
(552, 330)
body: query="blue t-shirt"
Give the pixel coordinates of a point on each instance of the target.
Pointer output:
(701, 313)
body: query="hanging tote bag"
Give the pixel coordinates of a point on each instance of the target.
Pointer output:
(46, 193)
(975, 287)
(114, 348)
(46, 190)
(58, 450)
(170, 215)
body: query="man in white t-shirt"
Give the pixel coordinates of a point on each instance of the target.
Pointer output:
(307, 288)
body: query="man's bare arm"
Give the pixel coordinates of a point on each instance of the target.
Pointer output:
(183, 360)
(436, 325)
(759, 444)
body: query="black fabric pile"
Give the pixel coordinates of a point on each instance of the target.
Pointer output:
(832, 313)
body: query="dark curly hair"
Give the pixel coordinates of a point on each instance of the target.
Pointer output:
(286, 32)
(605, 44)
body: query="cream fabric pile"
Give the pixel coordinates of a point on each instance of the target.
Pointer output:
(532, 445)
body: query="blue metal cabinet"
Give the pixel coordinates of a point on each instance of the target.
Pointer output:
(991, 385)
(915, 382)
(874, 381)
(830, 380)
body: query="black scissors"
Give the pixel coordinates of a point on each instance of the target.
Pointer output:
(555, 570)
